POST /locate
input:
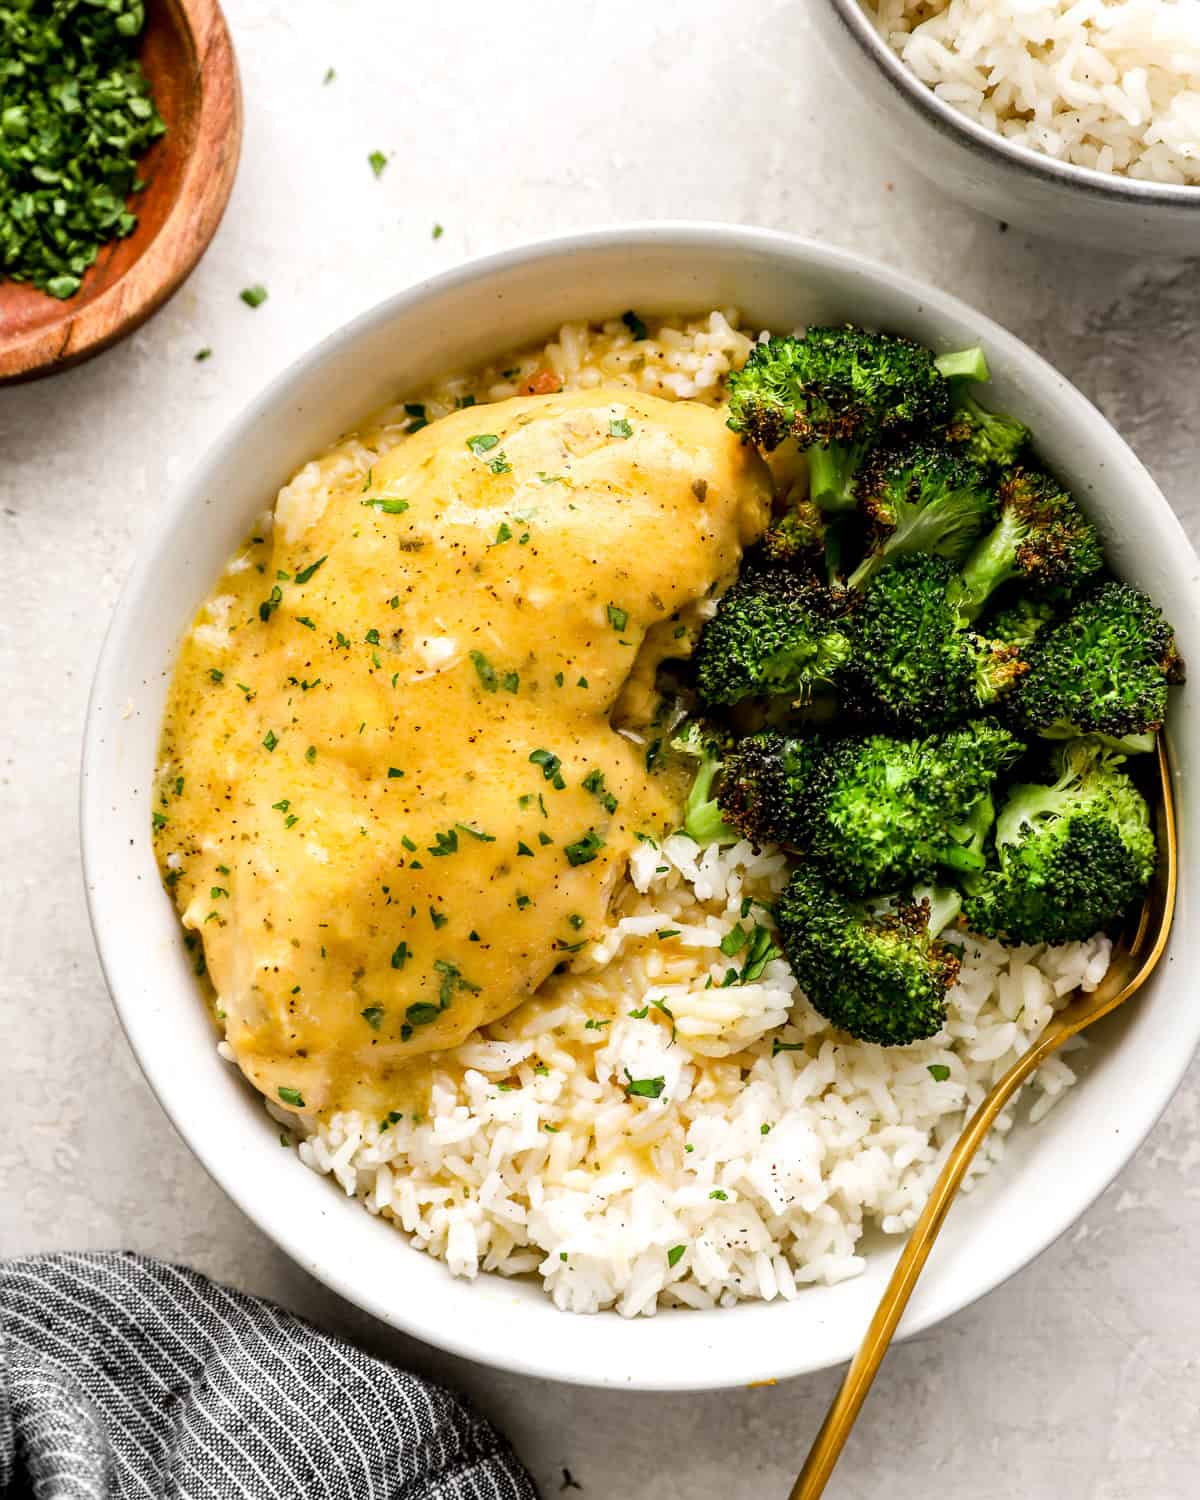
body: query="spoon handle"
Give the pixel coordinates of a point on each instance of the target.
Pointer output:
(835, 1429)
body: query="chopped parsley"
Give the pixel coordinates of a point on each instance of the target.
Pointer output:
(777, 1046)
(734, 941)
(618, 618)
(373, 1016)
(271, 740)
(503, 533)
(78, 114)
(400, 955)
(639, 331)
(216, 674)
(644, 1088)
(584, 849)
(676, 1253)
(438, 231)
(524, 849)
(483, 442)
(486, 672)
(720, 1195)
(939, 1072)
(389, 507)
(377, 161)
(306, 573)
(202, 354)
(437, 918)
(594, 782)
(394, 773)
(270, 604)
(253, 296)
(551, 767)
(444, 843)
(477, 833)
(619, 428)
(291, 1096)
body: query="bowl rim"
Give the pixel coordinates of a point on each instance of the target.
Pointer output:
(767, 1363)
(950, 121)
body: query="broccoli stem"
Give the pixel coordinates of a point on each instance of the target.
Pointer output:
(831, 471)
(992, 563)
(963, 364)
(702, 819)
(944, 906)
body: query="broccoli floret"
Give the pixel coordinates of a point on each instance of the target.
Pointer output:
(796, 536)
(916, 663)
(1019, 623)
(882, 812)
(1102, 671)
(1041, 537)
(765, 783)
(873, 813)
(987, 437)
(774, 633)
(1073, 856)
(879, 974)
(702, 818)
(920, 497)
(836, 391)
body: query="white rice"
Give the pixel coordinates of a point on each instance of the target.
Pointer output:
(1108, 84)
(755, 1170)
(751, 1174)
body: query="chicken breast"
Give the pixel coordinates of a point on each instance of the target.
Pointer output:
(393, 796)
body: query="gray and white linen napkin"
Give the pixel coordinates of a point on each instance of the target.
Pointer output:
(126, 1377)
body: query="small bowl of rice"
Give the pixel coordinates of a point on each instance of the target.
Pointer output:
(1078, 119)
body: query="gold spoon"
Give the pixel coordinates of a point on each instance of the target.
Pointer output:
(1132, 964)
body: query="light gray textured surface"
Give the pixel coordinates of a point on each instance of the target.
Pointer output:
(1077, 1381)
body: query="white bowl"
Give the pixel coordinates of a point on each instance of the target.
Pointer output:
(1051, 1173)
(995, 175)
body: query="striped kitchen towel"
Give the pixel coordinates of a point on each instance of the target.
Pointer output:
(122, 1376)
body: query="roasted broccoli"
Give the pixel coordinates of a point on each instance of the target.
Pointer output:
(986, 437)
(1019, 622)
(873, 813)
(775, 633)
(916, 663)
(702, 818)
(1103, 671)
(797, 535)
(1042, 537)
(836, 391)
(876, 970)
(1073, 856)
(919, 497)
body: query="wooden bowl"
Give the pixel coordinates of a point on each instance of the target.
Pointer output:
(188, 58)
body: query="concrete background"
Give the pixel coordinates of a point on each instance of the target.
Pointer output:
(1078, 1380)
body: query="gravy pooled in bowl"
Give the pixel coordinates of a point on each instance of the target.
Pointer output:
(395, 793)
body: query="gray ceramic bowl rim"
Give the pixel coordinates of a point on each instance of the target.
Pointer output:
(953, 122)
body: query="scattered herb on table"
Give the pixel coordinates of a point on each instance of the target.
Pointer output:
(377, 162)
(438, 231)
(253, 296)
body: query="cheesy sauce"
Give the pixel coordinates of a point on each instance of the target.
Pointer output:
(402, 773)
